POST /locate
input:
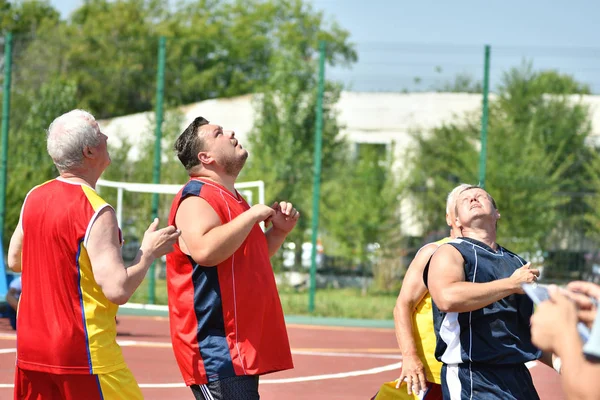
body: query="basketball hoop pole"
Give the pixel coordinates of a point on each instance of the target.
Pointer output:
(317, 178)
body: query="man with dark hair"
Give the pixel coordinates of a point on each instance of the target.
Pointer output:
(226, 319)
(481, 315)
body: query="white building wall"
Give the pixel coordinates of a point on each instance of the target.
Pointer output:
(366, 118)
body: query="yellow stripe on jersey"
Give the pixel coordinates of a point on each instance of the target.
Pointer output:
(105, 354)
(94, 198)
(444, 240)
(119, 385)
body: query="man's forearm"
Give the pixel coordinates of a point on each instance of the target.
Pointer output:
(275, 239)
(222, 241)
(137, 272)
(403, 328)
(469, 296)
(579, 376)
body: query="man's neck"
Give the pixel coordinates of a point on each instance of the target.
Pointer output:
(80, 177)
(486, 236)
(228, 182)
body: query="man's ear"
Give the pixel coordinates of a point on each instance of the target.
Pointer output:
(458, 224)
(88, 152)
(204, 157)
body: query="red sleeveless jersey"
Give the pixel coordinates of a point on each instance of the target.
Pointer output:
(65, 324)
(226, 320)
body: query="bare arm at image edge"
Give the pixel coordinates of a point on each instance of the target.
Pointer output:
(15, 248)
(412, 292)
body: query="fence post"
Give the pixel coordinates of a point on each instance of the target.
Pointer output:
(317, 178)
(160, 91)
(484, 118)
(5, 123)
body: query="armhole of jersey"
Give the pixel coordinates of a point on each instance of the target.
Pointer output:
(23, 207)
(92, 220)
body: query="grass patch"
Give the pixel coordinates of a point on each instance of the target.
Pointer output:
(337, 303)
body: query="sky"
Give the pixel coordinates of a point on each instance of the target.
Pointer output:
(420, 45)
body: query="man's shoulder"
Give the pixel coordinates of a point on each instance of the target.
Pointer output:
(193, 187)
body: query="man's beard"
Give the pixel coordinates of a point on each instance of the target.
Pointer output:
(233, 166)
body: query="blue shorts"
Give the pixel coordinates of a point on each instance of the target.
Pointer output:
(487, 382)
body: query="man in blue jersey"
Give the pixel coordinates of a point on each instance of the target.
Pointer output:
(481, 315)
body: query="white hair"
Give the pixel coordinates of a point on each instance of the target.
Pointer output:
(68, 135)
(451, 200)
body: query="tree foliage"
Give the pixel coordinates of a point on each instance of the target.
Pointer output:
(106, 54)
(537, 155)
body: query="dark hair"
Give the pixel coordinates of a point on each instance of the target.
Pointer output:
(188, 144)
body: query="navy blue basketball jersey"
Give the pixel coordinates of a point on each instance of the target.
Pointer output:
(496, 334)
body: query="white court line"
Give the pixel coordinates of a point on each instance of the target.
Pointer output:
(370, 371)
(262, 381)
(341, 375)
(334, 354)
(4, 351)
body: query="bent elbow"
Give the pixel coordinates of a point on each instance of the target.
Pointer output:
(13, 260)
(118, 297)
(445, 303)
(120, 300)
(206, 258)
(14, 266)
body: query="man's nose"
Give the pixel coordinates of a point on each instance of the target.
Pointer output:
(230, 133)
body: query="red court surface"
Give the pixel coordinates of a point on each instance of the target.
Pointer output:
(330, 363)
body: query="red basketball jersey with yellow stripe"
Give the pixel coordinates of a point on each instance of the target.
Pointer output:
(65, 325)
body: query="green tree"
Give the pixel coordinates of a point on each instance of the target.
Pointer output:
(282, 139)
(535, 142)
(360, 212)
(214, 49)
(29, 163)
(25, 17)
(137, 207)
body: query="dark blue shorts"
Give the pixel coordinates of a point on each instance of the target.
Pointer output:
(235, 388)
(487, 382)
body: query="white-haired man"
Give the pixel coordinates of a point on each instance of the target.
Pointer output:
(481, 315)
(68, 246)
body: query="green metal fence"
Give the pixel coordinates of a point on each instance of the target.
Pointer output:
(531, 142)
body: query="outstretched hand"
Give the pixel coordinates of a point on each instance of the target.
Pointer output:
(285, 217)
(159, 242)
